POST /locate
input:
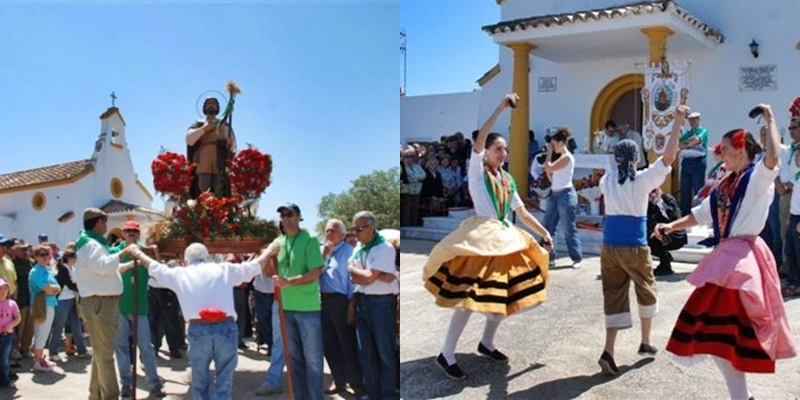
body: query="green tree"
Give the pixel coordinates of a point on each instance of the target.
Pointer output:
(378, 191)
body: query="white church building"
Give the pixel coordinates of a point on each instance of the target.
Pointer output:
(581, 62)
(51, 199)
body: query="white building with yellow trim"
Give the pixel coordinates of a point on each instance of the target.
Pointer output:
(580, 62)
(51, 199)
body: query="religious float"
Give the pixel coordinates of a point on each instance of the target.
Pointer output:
(223, 218)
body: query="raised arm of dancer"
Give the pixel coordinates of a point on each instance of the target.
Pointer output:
(531, 222)
(671, 151)
(773, 145)
(480, 141)
(682, 223)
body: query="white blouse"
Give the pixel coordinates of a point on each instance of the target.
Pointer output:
(754, 208)
(481, 199)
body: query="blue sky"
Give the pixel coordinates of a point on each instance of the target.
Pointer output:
(317, 78)
(447, 50)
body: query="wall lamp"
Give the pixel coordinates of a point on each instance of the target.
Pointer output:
(754, 48)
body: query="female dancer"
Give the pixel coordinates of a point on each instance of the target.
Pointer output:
(736, 312)
(488, 264)
(625, 255)
(563, 202)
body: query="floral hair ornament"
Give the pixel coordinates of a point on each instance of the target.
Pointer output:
(718, 149)
(738, 139)
(794, 109)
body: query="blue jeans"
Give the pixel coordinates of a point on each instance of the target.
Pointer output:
(377, 345)
(793, 251)
(304, 329)
(263, 305)
(122, 349)
(693, 176)
(772, 230)
(562, 207)
(6, 344)
(65, 314)
(276, 361)
(217, 342)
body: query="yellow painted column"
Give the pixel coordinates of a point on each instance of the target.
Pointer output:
(520, 117)
(657, 40)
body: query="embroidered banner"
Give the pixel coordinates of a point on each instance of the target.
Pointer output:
(665, 88)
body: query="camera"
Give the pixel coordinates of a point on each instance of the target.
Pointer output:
(512, 103)
(756, 112)
(547, 138)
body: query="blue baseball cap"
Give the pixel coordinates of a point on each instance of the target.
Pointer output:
(42, 235)
(5, 240)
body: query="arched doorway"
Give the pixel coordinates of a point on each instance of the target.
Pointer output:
(621, 101)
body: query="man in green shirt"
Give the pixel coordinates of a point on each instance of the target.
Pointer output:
(694, 147)
(299, 267)
(122, 348)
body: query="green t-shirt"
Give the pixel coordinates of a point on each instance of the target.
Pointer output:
(126, 299)
(700, 132)
(299, 254)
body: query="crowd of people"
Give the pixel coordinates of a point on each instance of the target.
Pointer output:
(734, 316)
(339, 299)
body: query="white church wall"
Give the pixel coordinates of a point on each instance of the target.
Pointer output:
(433, 116)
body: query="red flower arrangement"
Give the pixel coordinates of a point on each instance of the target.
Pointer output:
(250, 173)
(211, 218)
(738, 139)
(172, 173)
(794, 109)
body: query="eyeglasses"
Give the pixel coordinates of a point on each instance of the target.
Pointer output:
(287, 215)
(358, 229)
(43, 255)
(131, 231)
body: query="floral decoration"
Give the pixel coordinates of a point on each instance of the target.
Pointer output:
(250, 173)
(794, 109)
(172, 174)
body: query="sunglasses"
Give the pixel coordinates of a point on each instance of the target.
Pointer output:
(131, 231)
(42, 255)
(358, 229)
(287, 215)
(791, 128)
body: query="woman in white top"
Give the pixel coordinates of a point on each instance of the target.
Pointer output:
(488, 264)
(736, 312)
(66, 310)
(563, 203)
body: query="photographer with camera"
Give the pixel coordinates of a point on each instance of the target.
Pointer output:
(563, 203)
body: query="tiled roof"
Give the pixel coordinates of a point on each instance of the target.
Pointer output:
(640, 8)
(116, 206)
(43, 175)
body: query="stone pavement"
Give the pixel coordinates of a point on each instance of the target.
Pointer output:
(554, 348)
(70, 380)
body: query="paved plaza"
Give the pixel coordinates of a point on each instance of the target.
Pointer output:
(554, 348)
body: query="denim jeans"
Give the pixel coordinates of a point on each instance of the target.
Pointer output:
(377, 344)
(122, 350)
(263, 309)
(772, 230)
(217, 342)
(276, 361)
(693, 177)
(793, 251)
(562, 207)
(6, 344)
(304, 330)
(65, 314)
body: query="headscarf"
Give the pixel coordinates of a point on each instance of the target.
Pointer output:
(625, 152)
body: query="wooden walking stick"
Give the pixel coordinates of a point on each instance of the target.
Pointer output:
(135, 324)
(285, 340)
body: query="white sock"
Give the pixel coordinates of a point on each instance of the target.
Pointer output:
(492, 322)
(457, 323)
(735, 379)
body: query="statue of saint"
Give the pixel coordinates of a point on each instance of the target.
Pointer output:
(211, 143)
(663, 102)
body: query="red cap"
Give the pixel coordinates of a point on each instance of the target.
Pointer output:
(131, 225)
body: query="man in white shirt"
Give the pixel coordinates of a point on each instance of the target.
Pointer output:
(373, 271)
(97, 274)
(204, 292)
